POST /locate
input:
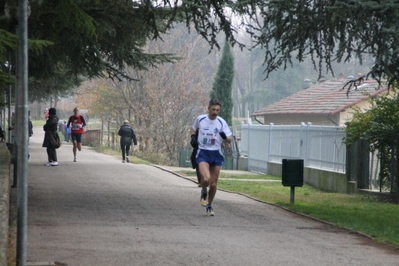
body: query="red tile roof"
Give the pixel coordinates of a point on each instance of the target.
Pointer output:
(323, 98)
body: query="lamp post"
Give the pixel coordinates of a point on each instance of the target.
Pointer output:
(22, 131)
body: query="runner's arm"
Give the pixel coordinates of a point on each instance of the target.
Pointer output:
(83, 121)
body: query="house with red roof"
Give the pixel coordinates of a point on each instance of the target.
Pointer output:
(325, 103)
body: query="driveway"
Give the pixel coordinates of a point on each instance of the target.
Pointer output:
(99, 211)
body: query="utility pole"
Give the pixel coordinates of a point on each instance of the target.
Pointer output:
(21, 132)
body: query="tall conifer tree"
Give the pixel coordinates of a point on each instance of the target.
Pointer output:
(223, 84)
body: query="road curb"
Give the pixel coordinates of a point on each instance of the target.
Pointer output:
(172, 172)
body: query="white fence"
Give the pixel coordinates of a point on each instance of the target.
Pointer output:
(320, 147)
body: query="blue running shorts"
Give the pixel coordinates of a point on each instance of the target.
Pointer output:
(213, 158)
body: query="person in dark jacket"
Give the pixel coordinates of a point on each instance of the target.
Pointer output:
(30, 129)
(127, 136)
(50, 127)
(1, 134)
(194, 144)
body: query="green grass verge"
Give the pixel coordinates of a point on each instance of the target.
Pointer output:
(362, 213)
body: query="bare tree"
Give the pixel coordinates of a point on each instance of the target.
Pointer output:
(162, 102)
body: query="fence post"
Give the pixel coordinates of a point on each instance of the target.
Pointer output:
(270, 140)
(302, 145)
(108, 132)
(309, 124)
(362, 164)
(113, 140)
(248, 130)
(102, 133)
(348, 163)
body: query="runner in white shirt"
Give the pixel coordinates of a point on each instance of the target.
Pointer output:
(212, 131)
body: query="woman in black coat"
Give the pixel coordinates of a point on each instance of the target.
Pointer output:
(50, 127)
(127, 136)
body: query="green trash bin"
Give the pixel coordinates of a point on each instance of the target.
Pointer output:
(184, 158)
(228, 163)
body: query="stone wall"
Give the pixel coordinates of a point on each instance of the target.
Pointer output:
(5, 186)
(320, 179)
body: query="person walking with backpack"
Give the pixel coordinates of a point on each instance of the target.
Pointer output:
(127, 136)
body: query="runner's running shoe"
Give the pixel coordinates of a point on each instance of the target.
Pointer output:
(74, 160)
(48, 164)
(204, 195)
(209, 210)
(127, 159)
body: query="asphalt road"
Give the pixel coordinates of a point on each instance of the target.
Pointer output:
(99, 211)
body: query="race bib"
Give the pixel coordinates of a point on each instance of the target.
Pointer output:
(75, 126)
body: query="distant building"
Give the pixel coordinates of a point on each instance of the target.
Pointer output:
(321, 104)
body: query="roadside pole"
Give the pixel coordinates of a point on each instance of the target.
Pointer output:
(22, 132)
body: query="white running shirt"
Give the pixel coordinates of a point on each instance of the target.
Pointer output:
(208, 135)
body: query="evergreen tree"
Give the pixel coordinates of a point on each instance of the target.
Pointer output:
(379, 127)
(329, 31)
(100, 38)
(86, 38)
(223, 84)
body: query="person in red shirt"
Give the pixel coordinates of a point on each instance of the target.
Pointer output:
(77, 123)
(46, 113)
